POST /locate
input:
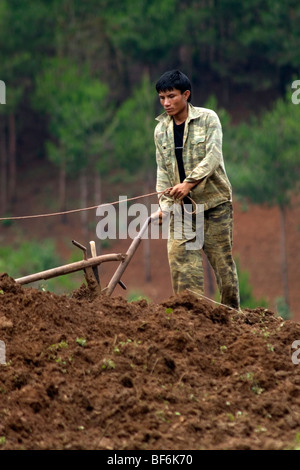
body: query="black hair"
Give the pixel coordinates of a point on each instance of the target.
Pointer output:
(174, 79)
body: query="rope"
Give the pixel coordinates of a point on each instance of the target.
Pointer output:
(214, 301)
(72, 211)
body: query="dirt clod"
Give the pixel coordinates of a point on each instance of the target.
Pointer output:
(92, 372)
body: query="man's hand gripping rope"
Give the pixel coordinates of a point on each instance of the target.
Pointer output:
(177, 193)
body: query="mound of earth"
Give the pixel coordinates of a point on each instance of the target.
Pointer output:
(88, 372)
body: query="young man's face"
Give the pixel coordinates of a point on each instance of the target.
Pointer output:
(174, 102)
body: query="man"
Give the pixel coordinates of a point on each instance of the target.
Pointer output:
(190, 163)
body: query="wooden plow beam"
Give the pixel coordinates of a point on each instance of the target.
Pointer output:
(90, 266)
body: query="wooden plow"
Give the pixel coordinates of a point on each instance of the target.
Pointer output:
(90, 265)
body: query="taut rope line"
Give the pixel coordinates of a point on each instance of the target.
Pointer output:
(72, 211)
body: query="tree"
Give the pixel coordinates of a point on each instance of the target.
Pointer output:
(132, 133)
(131, 24)
(75, 104)
(135, 118)
(24, 37)
(265, 167)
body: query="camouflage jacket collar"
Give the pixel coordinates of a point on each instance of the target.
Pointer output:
(192, 114)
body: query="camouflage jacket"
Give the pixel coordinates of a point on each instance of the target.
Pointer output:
(202, 158)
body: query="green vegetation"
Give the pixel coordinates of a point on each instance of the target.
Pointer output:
(22, 259)
(119, 348)
(265, 167)
(247, 297)
(282, 308)
(108, 364)
(169, 311)
(56, 354)
(80, 77)
(58, 346)
(255, 387)
(28, 257)
(86, 72)
(136, 295)
(246, 290)
(81, 341)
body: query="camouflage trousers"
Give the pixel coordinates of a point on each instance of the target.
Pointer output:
(185, 253)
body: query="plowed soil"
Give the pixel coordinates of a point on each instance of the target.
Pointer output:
(90, 372)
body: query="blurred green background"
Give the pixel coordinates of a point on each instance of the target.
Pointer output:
(80, 97)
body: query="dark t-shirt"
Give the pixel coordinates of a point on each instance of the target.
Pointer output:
(178, 140)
